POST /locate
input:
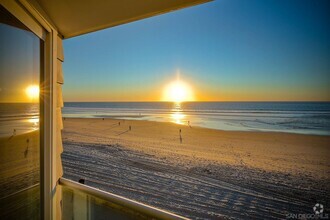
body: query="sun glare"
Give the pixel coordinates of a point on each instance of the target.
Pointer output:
(178, 91)
(32, 92)
(178, 118)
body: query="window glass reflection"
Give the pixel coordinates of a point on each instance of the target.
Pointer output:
(19, 120)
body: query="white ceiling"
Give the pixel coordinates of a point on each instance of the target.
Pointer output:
(77, 17)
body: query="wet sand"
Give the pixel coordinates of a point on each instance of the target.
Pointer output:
(211, 174)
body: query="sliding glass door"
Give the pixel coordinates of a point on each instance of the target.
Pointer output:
(20, 70)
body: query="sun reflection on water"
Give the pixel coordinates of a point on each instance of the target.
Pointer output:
(177, 116)
(35, 123)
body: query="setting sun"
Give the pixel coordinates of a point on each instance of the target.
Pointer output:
(32, 92)
(178, 91)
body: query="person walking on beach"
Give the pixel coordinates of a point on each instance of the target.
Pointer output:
(130, 128)
(119, 123)
(180, 131)
(27, 148)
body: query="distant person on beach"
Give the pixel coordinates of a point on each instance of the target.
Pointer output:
(130, 128)
(180, 131)
(26, 152)
(14, 132)
(27, 148)
(119, 123)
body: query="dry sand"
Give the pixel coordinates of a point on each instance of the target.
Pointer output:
(211, 174)
(19, 162)
(19, 176)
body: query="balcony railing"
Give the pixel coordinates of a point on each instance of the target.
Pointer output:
(85, 202)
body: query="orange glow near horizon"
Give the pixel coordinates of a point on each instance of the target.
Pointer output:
(190, 89)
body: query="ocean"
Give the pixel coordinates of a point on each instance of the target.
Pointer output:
(291, 117)
(21, 117)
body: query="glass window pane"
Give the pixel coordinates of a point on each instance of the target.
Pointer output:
(19, 120)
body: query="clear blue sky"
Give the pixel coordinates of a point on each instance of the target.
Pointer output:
(228, 50)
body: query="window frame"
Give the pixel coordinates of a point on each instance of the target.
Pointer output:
(35, 19)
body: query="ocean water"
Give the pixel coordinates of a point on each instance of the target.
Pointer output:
(21, 117)
(291, 117)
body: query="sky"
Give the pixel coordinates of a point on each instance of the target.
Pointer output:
(19, 65)
(226, 50)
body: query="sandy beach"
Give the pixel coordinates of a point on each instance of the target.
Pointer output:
(19, 162)
(204, 174)
(20, 176)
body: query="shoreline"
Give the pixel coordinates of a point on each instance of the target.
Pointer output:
(129, 117)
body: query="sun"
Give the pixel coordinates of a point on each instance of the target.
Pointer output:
(178, 91)
(32, 91)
